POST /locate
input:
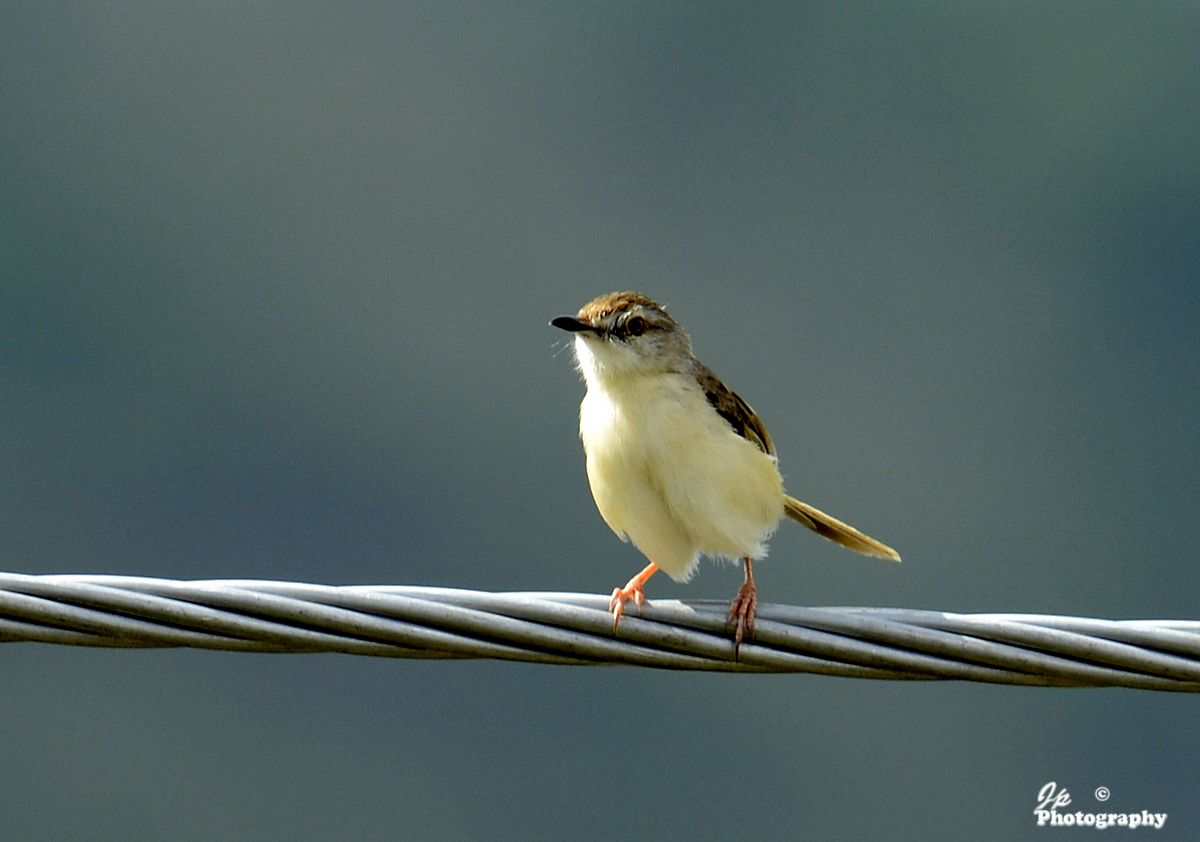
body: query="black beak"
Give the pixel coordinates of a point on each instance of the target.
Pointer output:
(573, 324)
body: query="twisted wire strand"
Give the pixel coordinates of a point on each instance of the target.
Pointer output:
(564, 628)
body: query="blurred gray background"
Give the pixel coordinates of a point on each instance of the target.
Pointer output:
(274, 291)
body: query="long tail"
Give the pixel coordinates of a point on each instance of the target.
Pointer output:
(835, 530)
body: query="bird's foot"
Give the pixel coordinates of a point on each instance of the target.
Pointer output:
(741, 611)
(634, 590)
(620, 596)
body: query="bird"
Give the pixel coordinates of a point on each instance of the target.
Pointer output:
(677, 462)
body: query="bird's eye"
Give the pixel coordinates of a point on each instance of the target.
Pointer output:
(635, 326)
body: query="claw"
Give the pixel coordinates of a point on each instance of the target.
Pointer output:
(742, 610)
(634, 590)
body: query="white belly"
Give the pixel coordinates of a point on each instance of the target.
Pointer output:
(670, 474)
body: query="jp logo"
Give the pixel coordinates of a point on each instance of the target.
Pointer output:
(1050, 797)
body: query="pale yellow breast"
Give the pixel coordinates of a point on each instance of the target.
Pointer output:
(672, 475)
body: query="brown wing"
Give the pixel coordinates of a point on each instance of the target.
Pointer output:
(734, 410)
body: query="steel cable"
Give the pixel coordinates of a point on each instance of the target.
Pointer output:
(563, 628)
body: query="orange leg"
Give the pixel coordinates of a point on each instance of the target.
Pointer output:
(634, 589)
(742, 609)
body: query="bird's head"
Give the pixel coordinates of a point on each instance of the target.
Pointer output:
(626, 333)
